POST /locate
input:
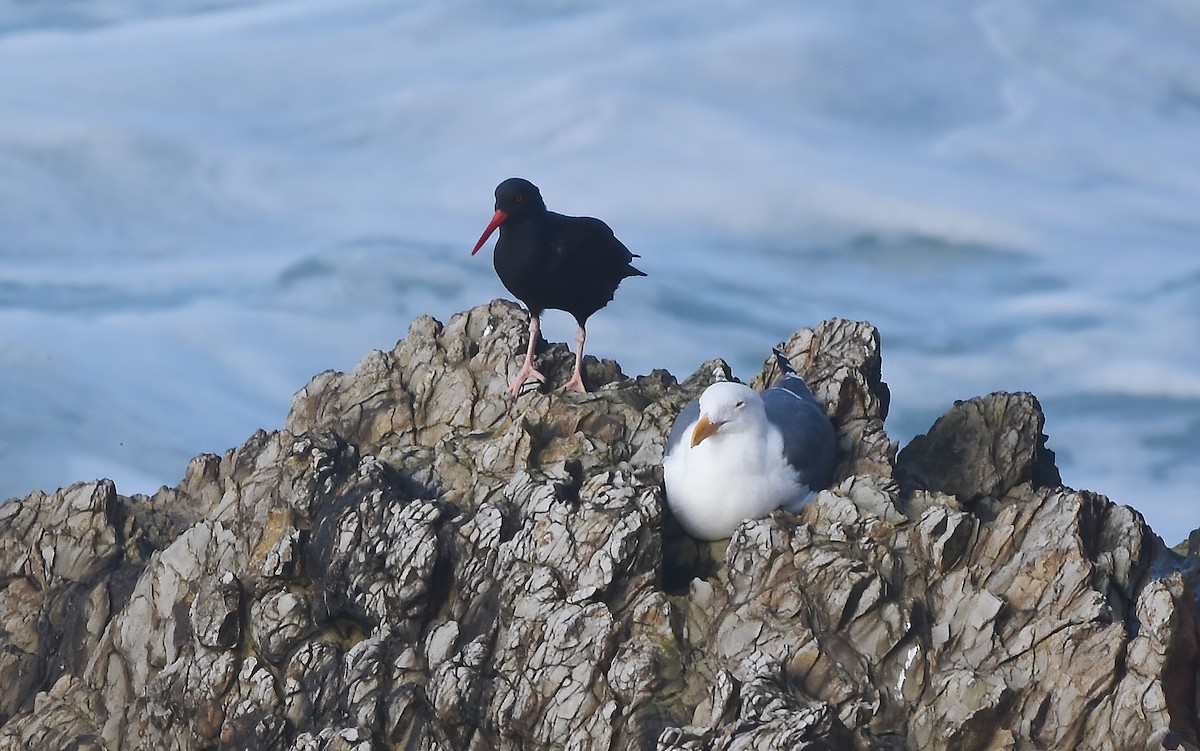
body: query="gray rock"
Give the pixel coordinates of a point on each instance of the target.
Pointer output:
(419, 561)
(217, 612)
(984, 446)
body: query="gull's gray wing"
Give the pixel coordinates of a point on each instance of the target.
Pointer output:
(808, 437)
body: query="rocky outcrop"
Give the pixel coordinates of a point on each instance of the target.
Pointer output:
(417, 561)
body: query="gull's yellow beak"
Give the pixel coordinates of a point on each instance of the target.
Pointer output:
(704, 428)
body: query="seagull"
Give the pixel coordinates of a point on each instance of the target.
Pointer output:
(735, 454)
(548, 260)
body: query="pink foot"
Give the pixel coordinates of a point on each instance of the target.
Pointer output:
(576, 384)
(526, 372)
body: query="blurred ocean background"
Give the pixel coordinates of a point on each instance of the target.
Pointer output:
(203, 204)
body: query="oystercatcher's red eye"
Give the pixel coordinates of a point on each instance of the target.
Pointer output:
(520, 198)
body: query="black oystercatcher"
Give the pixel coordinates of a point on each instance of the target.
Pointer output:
(736, 454)
(547, 260)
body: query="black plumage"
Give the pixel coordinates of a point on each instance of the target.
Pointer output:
(552, 261)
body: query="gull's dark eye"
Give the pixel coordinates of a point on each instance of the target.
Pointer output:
(740, 404)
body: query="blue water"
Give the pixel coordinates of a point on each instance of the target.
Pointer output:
(204, 204)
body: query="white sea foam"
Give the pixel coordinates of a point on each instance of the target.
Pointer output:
(202, 207)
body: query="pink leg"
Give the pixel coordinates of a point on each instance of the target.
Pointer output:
(527, 370)
(576, 382)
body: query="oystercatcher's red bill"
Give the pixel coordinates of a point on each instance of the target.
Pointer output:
(497, 219)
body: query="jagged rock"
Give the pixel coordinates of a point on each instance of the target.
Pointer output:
(984, 446)
(1191, 546)
(419, 561)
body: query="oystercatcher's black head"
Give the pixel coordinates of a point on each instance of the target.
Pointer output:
(516, 198)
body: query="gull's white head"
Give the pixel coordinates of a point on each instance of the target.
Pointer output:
(730, 408)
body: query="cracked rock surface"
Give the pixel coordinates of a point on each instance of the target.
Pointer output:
(416, 561)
